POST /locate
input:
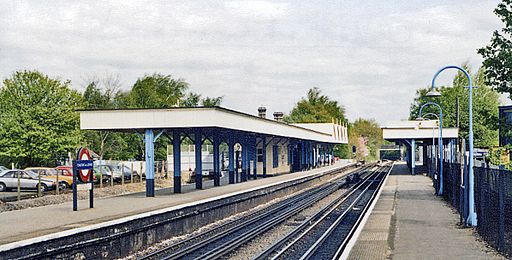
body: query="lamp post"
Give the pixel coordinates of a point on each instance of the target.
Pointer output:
(433, 135)
(472, 218)
(440, 143)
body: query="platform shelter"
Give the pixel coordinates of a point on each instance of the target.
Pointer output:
(268, 146)
(424, 135)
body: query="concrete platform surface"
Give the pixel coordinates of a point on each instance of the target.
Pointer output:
(35, 222)
(410, 222)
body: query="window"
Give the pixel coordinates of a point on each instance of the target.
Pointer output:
(8, 175)
(260, 155)
(275, 156)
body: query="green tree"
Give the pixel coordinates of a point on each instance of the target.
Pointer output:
(485, 108)
(105, 94)
(498, 54)
(157, 91)
(38, 121)
(366, 136)
(318, 108)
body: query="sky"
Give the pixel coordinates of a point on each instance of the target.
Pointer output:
(370, 55)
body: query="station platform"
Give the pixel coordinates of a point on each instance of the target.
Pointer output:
(54, 220)
(409, 221)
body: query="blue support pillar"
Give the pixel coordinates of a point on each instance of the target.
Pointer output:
(324, 150)
(150, 162)
(255, 158)
(216, 160)
(301, 160)
(244, 160)
(264, 152)
(231, 157)
(413, 156)
(332, 155)
(176, 153)
(198, 138)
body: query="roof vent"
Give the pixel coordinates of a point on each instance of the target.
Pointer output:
(278, 116)
(262, 112)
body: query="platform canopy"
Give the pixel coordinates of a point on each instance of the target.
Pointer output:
(208, 117)
(399, 130)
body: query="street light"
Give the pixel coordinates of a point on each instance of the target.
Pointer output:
(440, 142)
(433, 136)
(471, 185)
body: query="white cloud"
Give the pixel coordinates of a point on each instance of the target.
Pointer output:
(370, 56)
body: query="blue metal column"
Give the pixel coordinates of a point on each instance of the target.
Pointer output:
(264, 152)
(199, 160)
(231, 157)
(413, 156)
(216, 160)
(324, 150)
(176, 153)
(244, 159)
(255, 158)
(150, 162)
(332, 155)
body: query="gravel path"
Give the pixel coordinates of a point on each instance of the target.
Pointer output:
(106, 191)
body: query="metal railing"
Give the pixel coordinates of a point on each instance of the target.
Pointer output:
(493, 200)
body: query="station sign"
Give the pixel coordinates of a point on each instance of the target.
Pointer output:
(84, 165)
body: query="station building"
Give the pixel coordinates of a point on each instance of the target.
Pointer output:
(256, 146)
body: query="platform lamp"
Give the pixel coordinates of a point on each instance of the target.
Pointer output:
(472, 218)
(440, 142)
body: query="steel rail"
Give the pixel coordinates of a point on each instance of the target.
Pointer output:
(318, 219)
(181, 248)
(314, 248)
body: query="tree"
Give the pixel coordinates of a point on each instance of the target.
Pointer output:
(157, 91)
(498, 54)
(318, 108)
(106, 94)
(366, 136)
(485, 108)
(38, 121)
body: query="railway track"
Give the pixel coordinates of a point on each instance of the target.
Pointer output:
(225, 238)
(325, 235)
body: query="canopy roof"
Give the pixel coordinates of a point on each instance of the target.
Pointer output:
(417, 130)
(206, 117)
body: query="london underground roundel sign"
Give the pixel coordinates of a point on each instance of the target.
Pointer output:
(84, 165)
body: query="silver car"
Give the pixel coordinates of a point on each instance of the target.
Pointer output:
(3, 168)
(28, 180)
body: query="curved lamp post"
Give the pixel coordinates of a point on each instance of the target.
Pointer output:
(433, 135)
(472, 220)
(440, 141)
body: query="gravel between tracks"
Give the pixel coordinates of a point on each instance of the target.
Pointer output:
(170, 241)
(260, 243)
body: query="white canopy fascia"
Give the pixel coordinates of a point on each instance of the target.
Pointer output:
(198, 117)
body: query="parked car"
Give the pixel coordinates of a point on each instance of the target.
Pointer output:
(103, 172)
(65, 182)
(3, 168)
(65, 170)
(28, 180)
(127, 171)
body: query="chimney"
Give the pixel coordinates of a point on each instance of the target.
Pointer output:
(278, 116)
(262, 112)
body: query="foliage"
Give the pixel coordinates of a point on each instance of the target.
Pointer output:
(500, 156)
(318, 108)
(105, 94)
(366, 136)
(485, 108)
(38, 121)
(498, 54)
(157, 91)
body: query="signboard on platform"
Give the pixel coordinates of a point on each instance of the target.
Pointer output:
(83, 172)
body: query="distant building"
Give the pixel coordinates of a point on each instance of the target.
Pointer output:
(505, 117)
